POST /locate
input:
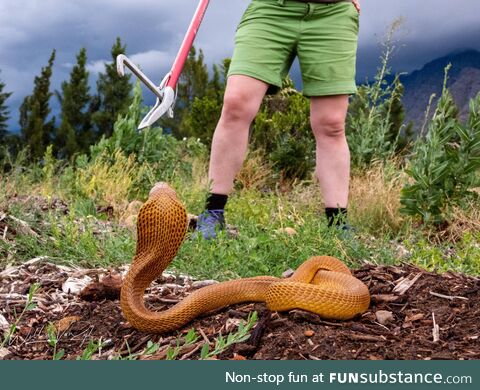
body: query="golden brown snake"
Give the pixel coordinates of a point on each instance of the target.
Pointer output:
(322, 285)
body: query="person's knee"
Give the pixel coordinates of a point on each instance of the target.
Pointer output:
(329, 126)
(238, 108)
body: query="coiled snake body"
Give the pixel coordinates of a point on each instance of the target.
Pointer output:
(322, 285)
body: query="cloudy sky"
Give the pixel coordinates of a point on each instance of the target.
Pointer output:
(153, 31)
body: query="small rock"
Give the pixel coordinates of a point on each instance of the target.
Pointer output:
(4, 352)
(403, 252)
(288, 273)
(76, 285)
(288, 231)
(4, 325)
(232, 232)
(108, 288)
(134, 207)
(236, 356)
(384, 317)
(309, 333)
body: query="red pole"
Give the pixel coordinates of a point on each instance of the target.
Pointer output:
(187, 43)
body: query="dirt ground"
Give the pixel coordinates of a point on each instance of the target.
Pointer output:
(414, 314)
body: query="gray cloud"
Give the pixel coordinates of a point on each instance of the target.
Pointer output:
(153, 30)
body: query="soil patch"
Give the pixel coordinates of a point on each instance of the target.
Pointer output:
(408, 304)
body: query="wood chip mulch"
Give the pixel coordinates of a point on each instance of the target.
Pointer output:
(414, 314)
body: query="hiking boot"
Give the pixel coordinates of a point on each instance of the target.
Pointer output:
(209, 223)
(345, 227)
(345, 231)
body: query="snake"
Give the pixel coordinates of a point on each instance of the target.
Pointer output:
(323, 284)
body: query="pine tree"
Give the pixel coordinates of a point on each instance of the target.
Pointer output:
(4, 113)
(399, 133)
(75, 133)
(36, 129)
(215, 85)
(193, 84)
(114, 94)
(200, 120)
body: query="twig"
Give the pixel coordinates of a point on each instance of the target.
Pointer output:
(35, 260)
(188, 355)
(359, 351)
(163, 353)
(381, 325)
(364, 337)
(436, 330)
(204, 336)
(404, 284)
(327, 323)
(24, 227)
(450, 297)
(139, 345)
(165, 341)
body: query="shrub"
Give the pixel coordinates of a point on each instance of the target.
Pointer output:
(282, 131)
(445, 165)
(202, 117)
(158, 156)
(106, 182)
(375, 119)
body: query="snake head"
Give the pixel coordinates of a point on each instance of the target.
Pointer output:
(162, 188)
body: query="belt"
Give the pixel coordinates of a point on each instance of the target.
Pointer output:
(282, 2)
(319, 1)
(323, 1)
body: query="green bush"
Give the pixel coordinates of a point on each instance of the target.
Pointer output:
(282, 131)
(375, 128)
(202, 118)
(162, 156)
(445, 164)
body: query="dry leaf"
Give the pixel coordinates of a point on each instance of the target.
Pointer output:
(65, 323)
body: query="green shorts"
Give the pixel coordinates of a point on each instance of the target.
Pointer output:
(323, 36)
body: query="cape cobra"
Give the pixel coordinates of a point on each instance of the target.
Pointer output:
(322, 285)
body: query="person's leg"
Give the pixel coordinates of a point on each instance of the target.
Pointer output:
(242, 100)
(327, 51)
(328, 115)
(264, 50)
(243, 96)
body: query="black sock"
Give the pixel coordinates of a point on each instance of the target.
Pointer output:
(216, 201)
(336, 215)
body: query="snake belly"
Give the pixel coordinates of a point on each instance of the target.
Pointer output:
(322, 285)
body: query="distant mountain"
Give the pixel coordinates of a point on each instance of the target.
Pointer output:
(464, 83)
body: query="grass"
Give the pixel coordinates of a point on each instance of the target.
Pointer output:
(29, 305)
(88, 238)
(68, 239)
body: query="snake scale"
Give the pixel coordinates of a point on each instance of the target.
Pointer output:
(322, 285)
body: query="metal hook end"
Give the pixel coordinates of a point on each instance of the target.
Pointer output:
(161, 108)
(121, 58)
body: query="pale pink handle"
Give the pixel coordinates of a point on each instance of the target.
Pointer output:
(187, 44)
